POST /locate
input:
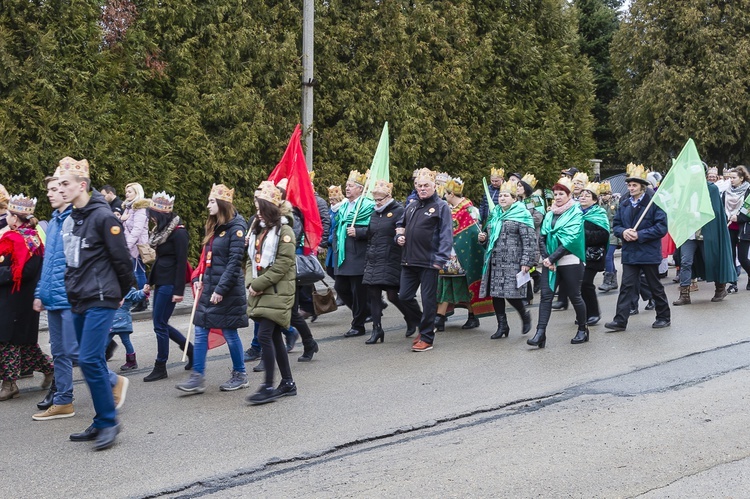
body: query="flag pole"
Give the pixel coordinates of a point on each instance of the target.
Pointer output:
(359, 201)
(644, 213)
(192, 316)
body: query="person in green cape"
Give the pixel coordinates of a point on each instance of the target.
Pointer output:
(563, 249)
(511, 249)
(596, 230)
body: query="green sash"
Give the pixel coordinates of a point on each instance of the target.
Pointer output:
(568, 231)
(345, 218)
(516, 212)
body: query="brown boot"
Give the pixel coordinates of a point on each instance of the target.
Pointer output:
(684, 298)
(9, 390)
(720, 293)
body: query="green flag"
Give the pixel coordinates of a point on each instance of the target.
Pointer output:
(380, 168)
(683, 195)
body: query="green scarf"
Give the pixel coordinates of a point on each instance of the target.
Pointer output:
(568, 231)
(597, 216)
(346, 216)
(516, 212)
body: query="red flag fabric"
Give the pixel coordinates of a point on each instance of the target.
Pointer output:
(299, 190)
(215, 336)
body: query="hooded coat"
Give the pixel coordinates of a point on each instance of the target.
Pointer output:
(717, 247)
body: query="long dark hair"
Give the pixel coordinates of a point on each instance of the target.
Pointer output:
(225, 214)
(270, 213)
(161, 219)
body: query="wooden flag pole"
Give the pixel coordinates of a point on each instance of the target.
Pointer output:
(192, 316)
(644, 213)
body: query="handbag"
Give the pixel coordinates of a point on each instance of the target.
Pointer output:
(148, 254)
(594, 253)
(324, 301)
(309, 270)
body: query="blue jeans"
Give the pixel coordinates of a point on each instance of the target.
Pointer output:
(139, 269)
(687, 255)
(125, 338)
(64, 346)
(92, 331)
(201, 348)
(163, 309)
(609, 260)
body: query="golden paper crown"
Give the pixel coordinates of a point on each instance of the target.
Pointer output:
(593, 187)
(69, 166)
(511, 187)
(727, 171)
(21, 205)
(442, 178)
(335, 192)
(383, 186)
(162, 202)
(268, 192)
(358, 178)
(530, 179)
(605, 187)
(456, 186)
(312, 176)
(222, 192)
(567, 182)
(426, 175)
(713, 170)
(497, 172)
(636, 171)
(581, 177)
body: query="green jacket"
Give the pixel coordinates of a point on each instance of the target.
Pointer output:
(277, 282)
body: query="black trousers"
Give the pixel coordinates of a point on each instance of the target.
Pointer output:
(354, 294)
(740, 250)
(304, 298)
(273, 350)
(299, 323)
(499, 305)
(411, 279)
(588, 293)
(569, 279)
(375, 293)
(629, 292)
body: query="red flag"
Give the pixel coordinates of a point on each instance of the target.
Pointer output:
(299, 190)
(215, 336)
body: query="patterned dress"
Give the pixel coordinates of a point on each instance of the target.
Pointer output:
(516, 246)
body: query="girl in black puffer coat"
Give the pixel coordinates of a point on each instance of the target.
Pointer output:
(222, 303)
(383, 258)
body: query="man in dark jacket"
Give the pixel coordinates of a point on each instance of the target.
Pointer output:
(426, 233)
(99, 274)
(641, 252)
(115, 203)
(496, 181)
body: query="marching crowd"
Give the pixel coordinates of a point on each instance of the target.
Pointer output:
(100, 258)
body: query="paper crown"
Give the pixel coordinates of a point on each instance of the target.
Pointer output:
(581, 177)
(414, 173)
(358, 178)
(426, 175)
(567, 182)
(727, 171)
(335, 192)
(4, 196)
(162, 202)
(283, 183)
(713, 170)
(442, 178)
(222, 192)
(636, 172)
(497, 172)
(605, 187)
(21, 205)
(530, 179)
(456, 186)
(593, 187)
(69, 166)
(383, 186)
(268, 192)
(311, 175)
(511, 187)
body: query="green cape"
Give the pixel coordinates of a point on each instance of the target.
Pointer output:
(346, 216)
(516, 212)
(568, 231)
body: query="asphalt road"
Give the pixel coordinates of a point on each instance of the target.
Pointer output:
(654, 413)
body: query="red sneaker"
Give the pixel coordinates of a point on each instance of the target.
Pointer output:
(421, 346)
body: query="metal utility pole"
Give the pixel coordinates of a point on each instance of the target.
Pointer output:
(308, 19)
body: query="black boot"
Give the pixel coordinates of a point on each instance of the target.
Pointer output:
(526, 319)
(539, 339)
(502, 328)
(377, 334)
(471, 322)
(311, 348)
(159, 372)
(111, 347)
(440, 322)
(48, 399)
(410, 329)
(582, 336)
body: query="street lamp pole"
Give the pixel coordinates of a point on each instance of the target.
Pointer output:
(308, 18)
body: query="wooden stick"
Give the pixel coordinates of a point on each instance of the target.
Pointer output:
(192, 316)
(644, 213)
(359, 201)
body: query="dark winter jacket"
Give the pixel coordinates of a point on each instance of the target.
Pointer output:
(429, 233)
(325, 220)
(355, 251)
(51, 287)
(123, 322)
(383, 261)
(596, 246)
(224, 277)
(647, 249)
(484, 206)
(99, 268)
(171, 262)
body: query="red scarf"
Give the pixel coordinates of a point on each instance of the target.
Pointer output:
(20, 245)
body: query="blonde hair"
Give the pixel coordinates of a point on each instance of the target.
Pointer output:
(138, 190)
(4, 198)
